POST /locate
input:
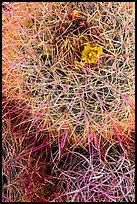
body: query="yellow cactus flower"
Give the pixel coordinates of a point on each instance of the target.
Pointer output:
(91, 53)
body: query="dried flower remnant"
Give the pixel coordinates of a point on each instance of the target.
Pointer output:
(91, 53)
(95, 31)
(74, 14)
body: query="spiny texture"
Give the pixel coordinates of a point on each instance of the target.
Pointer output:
(54, 104)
